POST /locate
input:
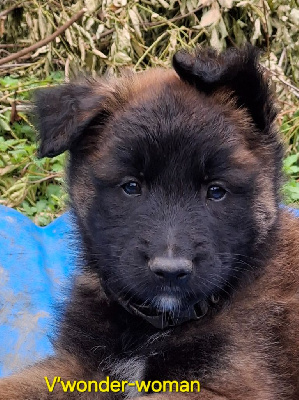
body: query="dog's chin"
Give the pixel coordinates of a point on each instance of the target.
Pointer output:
(167, 303)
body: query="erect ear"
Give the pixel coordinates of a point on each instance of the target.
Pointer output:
(235, 70)
(63, 112)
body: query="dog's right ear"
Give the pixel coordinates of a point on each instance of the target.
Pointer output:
(63, 112)
(236, 71)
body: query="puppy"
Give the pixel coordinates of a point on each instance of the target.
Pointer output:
(190, 265)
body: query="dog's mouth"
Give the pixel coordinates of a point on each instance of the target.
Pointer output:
(160, 318)
(166, 319)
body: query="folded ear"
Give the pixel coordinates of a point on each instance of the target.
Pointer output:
(63, 112)
(236, 70)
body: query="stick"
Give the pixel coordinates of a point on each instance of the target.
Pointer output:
(44, 41)
(5, 12)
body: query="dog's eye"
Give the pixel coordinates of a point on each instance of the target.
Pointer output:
(132, 188)
(216, 193)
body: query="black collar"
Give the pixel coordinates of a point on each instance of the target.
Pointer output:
(166, 320)
(162, 320)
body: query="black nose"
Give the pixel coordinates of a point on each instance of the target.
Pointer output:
(171, 269)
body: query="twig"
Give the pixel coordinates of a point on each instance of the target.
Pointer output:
(150, 48)
(44, 41)
(293, 88)
(174, 19)
(282, 56)
(57, 175)
(289, 111)
(15, 65)
(4, 110)
(5, 12)
(4, 51)
(266, 31)
(103, 34)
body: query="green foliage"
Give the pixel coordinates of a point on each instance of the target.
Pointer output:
(33, 186)
(291, 169)
(290, 131)
(126, 33)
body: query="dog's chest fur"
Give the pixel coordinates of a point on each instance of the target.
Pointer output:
(134, 365)
(130, 370)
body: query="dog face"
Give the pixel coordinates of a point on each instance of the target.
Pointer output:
(173, 177)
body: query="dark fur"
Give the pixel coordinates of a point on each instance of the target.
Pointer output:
(213, 123)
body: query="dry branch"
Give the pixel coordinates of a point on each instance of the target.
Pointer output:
(45, 41)
(5, 12)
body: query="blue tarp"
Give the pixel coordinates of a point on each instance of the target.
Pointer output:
(36, 265)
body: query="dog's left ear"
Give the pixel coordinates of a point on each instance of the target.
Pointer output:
(64, 112)
(235, 70)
